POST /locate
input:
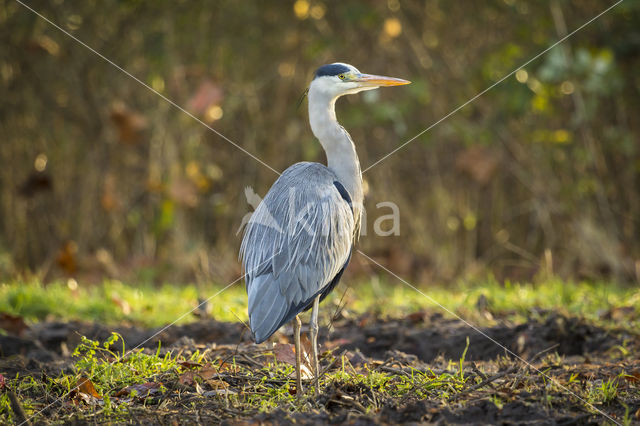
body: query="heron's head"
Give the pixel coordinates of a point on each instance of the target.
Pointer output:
(339, 79)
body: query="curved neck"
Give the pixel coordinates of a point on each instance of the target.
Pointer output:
(342, 158)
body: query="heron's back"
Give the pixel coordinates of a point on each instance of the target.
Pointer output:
(296, 245)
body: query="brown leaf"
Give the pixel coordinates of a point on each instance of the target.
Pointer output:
(130, 124)
(86, 386)
(217, 384)
(66, 258)
(623, 313)
(417, 317)
(110, 199)
(478, 162)
(3, 382)
(13, 324)
(332, 344)
(208, 371)
(188, 378)
(142, 390)
(207, 94)
(189, 364)
(286, 353)
(307, 350)
(364, 321)
(633, 376)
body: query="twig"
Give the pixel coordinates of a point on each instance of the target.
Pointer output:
(397, 371)
(18, 411)
(536, 356)
(249, 359)
(480, 373)
(485, 382)
(331, 364)
(410, 370)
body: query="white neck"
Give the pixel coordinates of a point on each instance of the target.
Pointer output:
(342, 158)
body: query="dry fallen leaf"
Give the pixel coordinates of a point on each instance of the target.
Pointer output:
(633, 376)
(86, 392)
(66, 257)
(13, 324)
(142, 390)
(417, 317)
(187, 378)
(130, 124)
(208, 372)
(332, 344)
(86, 386)
(479, 162)
(189, 364)
(217, 384)
(286, 353)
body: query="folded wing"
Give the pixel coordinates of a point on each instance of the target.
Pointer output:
(296, 245)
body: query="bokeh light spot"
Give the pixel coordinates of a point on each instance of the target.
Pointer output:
(392, 27)
(157, 83)
(301, 9)
(41, 162)
(72, 284)
(567, 87)
(561, 136)
(318, 11)
(522, 76)
(469, 221)
(393, 5)
(213, 113)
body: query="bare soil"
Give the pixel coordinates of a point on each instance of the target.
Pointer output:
(501, 389)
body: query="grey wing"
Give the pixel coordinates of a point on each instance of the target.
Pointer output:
(297, 240)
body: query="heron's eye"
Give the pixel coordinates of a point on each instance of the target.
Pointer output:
(341, 76)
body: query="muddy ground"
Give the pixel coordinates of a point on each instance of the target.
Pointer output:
(500, 388)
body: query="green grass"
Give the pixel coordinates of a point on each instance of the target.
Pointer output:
(108, 366)
(111, 368)
(115, 302)
(589, 300)
(261, 389)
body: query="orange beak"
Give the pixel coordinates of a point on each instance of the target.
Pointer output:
(379, 80)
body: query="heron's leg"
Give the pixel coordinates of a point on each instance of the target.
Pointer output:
(296, 337)
(314, 342)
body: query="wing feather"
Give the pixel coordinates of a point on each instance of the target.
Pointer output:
(297, 241)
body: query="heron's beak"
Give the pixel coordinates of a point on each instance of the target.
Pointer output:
(370, 80)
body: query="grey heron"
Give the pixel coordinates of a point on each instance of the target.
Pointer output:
(298, 242)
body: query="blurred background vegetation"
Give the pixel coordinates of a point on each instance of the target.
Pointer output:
(101, 178)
